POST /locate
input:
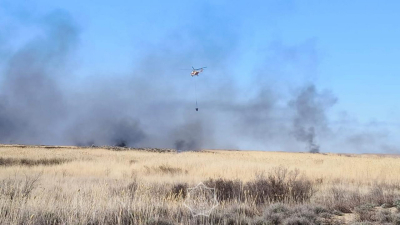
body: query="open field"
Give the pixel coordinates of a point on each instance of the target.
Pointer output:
(70, 185)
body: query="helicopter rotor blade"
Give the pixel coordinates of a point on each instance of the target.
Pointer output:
(199, 68)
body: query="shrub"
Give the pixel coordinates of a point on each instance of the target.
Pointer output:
(301, 190)
(320, 209)
(366, 213)
(258, 191)
(397, 204)
(376, 195)
(169, 169)
(383, 194)
(261, 221)
(226, 190)
(13, 188)
(165, 169)
(179, 190)
(313, 214)
(274, 218)
(48, 218)
(300, 214)
(129, 189)
(343, 200)
(294, 220)
(275, 213)
(396, 219)
(385, 216)
(160, 221)
(280, 186)
(31, 162)
(387, 205)
(362, 223)
(278, 208)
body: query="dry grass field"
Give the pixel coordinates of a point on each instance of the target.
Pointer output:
(71, 185)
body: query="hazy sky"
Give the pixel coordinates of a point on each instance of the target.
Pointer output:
(351, 48)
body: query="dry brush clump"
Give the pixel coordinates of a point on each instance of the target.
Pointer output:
(348, 200)
(125, 148)
(165, 169)
(227, 190)
(179, 190)
(369, 213)
(32, 162)
(280, 213)
(280, 185)
(11, 189)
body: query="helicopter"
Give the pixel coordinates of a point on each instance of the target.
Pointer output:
(195, 72)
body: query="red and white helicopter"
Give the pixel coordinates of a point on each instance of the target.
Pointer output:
(195, 72)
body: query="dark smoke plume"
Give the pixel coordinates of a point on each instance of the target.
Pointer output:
(189, 137)
(41, 102)
(31, 101)
(310, 109)
(149, 108)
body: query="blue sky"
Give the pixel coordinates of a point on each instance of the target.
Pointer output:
(349, 47)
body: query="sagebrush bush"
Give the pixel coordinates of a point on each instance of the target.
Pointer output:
(376, 195)
(366, 212)
(280, 185)
(296, 220)
(344, 200)
(226, 190)
(347, 201)
(396, 219)
(396, 203)
(300, 214)
(384, 216)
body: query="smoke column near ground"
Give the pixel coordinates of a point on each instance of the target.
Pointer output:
(310, 109)
(155, 107)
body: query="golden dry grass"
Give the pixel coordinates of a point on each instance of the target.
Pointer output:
(84, 183)
(243, 165)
